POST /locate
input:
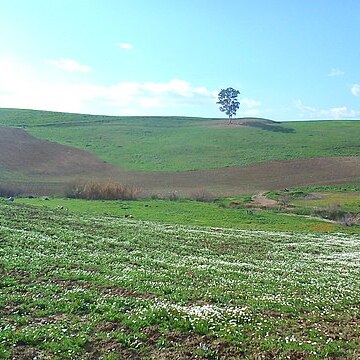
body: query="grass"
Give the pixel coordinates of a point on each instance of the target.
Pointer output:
(177, 144)
(349, 202)
(77, 286)
(216, 214)
(334, 201)
(347, 197)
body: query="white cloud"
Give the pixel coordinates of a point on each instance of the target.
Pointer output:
(335, 72)
(341, 112)
(176, 87)
(251, 107)
(12, 75)
(171, 94)
(355, 89)
(301, 106)
(22, 88)
(250, 103)
(150, 102)
(69, 65)
(125, 45)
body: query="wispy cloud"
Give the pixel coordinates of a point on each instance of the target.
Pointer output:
(125, 45)
(355, 89)
(175, 86)
(69, 65)
(158, 95)
(250, 107)
(174, 97)
(341, 112)
(335, 72)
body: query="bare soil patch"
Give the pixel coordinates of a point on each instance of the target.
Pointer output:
(255, 178)
(260, 200)
(263, 124)
(48, 167)
(19, 151)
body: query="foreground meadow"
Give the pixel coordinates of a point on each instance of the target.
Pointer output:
(81, 286)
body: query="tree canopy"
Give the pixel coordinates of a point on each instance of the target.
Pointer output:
(228, 101)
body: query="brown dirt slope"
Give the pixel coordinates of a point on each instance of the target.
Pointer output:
(260, 177)
(42, 162)
(19, 151)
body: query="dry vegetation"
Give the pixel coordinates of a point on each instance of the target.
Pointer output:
(98, 190)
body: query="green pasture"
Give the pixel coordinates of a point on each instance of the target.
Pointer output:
(177, 144)
(186, 212)
(343, 197)
(76, 285)
(348, 202)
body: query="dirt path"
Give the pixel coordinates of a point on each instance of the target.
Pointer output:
(260, 200)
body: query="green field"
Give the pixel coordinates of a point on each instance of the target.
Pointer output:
(187, 212)
(329, 202)
(79, 286)
(177, 144)
(348, 202)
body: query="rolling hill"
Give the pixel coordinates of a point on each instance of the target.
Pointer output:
(162, 154)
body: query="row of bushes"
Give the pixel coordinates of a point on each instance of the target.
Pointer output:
(96, 190)
(10, 190)
(335, 213)
(102, 190)
(111, 190)
(196, 195)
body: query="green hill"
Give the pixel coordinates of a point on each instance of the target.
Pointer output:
(178, 143)
(44, 150)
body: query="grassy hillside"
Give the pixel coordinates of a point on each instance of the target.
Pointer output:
(176, 144)
(77, 286)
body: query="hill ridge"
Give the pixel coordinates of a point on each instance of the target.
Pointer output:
(162, 155)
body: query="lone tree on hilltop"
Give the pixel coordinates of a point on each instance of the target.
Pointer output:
(228, 101)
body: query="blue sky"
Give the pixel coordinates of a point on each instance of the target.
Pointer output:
(291, 60)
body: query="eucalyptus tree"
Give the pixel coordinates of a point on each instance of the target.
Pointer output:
(228, 102)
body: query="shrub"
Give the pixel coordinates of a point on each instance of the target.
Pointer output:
(335, 213)
(304, 211)
(96, 190)
(201, 195)
(8, 191)
(155, 197)
(173, 196)
(350, 219)
(284, 200)
(332, 212)
(298, 194)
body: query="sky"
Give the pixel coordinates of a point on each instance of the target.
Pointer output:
(290, 60)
